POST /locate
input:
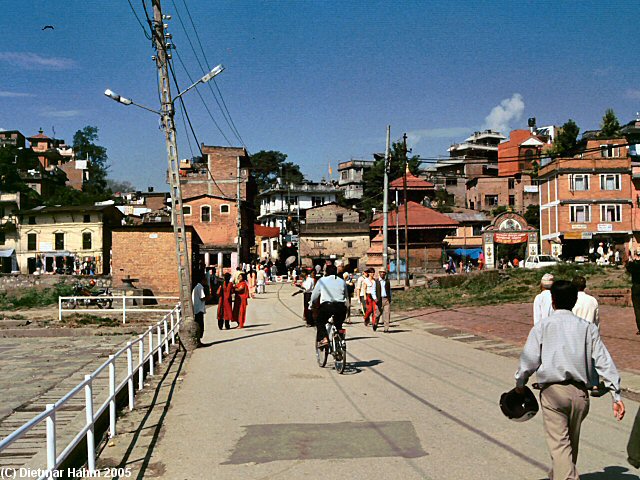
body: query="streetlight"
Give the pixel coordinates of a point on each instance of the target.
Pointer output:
(127, 101)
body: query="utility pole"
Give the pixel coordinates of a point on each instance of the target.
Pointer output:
(385, 203)
(239, 217)
(177, 214)
(406, 211)
(397, 240)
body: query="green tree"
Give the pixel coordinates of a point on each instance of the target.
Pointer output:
(566, 141)
(532, 215)
(12, 161)
(610, 126)
(374, 178)
(85, 148)
(268, 165)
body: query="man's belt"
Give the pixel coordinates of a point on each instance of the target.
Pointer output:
(575, 383)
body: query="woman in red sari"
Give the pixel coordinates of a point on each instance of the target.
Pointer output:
(240, 301)
(225, 308)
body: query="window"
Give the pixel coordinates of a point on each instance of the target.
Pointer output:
(86, 240)
(205, 213)
(224, 209)
(491, 200)
(451, 182)
(579, 182)
(344, 175)
(59, 240)
(610, 181)
(316, 201)
(3, 238)
(610, 151)
(350, 244)
(32, 240)
(186, 209)
(512, 183)
(2, 212)
(512, 200)
(318, 243)
(86, 218)
(339, 217)
(32, 220)
(580, 213)
(477, 230)
(610, 213)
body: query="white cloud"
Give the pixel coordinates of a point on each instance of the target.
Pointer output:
(510, 109)
(33, 61)
(633, 93)
(416, 136)
(7, 94)
(61, 113)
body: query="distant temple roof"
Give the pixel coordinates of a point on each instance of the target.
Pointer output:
(420, 217)
(413, 183)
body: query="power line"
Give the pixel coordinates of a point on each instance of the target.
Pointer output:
(146, 34)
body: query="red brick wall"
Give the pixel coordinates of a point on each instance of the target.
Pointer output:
(222, 229)
(148, 255)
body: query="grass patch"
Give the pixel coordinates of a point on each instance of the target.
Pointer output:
(506, 286)
(82, 320)
(34, 297)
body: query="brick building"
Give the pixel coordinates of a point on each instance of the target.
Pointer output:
(267, 242)
(351, 177)
(588, 200)
(147, 253)
(333, 232)
(211, 185)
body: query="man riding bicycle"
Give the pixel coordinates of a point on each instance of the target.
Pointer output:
(329, 299)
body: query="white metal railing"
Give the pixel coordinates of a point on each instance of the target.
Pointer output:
(69, 304)
(164, 332)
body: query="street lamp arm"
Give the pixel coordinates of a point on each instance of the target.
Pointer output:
(214, 71)
(127, 101)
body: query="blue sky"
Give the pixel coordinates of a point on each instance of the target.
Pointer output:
(318, 80)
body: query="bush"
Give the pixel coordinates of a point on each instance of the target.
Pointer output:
(35, 298)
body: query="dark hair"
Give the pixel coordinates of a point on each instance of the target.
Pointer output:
(242, 275)
(331, 270)
(564, 295)
(198, 276)
(227, 277)
(580, 282)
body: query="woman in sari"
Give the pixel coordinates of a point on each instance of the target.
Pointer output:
(252, 283)
(225, 308)
(240, 301)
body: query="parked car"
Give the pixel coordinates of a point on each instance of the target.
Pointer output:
(541, 261)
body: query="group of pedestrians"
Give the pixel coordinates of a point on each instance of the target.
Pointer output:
(565, 351)
(374, 295)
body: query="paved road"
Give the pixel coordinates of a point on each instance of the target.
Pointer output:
(255, 405)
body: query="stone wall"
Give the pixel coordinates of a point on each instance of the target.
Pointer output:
(12, 282)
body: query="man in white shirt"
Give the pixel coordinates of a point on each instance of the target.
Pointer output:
(360, 292)
(370, 291)
(261, 280)
(198, 299)
(587, 306)
(542, 306)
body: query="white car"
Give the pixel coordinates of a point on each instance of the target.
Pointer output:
(541, 261)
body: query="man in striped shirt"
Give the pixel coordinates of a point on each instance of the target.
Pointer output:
(560, 348)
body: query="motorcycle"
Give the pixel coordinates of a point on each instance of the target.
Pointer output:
(79, 290)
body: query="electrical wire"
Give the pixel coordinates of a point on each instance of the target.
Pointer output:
(146, 34)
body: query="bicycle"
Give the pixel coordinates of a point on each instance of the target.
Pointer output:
(337, 347)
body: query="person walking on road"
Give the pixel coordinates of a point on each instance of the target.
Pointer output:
(306, 285)
(199, 299)
(587, 306)
(633, 267)
(383, 294)
(261, 280)
(560, 348)
(542, 306)
(370, 292)
(350, 288)
(225, 303)
(360, 291)
(241, 291)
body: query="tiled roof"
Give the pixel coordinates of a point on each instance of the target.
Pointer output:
(266, 232)
(420, 217)
(413, 183)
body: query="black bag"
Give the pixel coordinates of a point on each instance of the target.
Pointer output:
(633, 447)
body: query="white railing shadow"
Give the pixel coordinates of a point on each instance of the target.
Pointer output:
(159, 338)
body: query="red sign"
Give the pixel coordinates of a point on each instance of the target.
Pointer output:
(510, 237)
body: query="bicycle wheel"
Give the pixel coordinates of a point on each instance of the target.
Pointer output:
(322, 353)
(340, 353)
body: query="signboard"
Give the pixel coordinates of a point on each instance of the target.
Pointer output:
(587, 235)
(605, 227)
(531, 189)
(510, 237)
(573, 236)
(578, 226)
(46, 247)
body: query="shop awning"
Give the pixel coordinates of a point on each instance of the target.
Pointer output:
(6, 253)
(468, 252)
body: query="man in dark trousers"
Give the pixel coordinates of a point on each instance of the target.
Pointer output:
(383, 296)
(633, 267)
(560, 349)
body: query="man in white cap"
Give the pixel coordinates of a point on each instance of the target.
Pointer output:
(542, 305)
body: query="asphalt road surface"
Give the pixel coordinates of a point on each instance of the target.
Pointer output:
(254, 404)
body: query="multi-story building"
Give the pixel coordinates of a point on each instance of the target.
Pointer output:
(333, 232)
(476, 157)
(212, 189)
(587, 200)
(70, 239)
(9, 207)
(351, 177)
(282, 205)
